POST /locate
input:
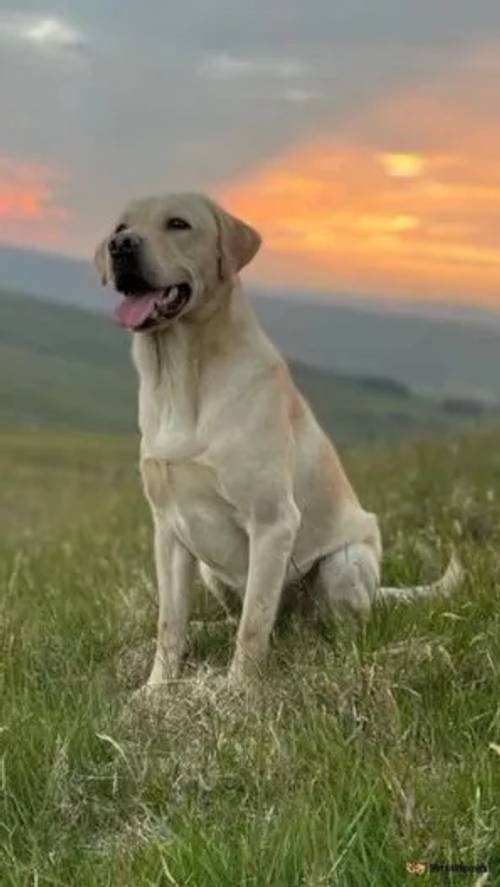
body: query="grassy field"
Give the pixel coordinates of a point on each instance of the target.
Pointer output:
(362, 750)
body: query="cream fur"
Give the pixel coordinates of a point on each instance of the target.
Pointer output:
(240, 477)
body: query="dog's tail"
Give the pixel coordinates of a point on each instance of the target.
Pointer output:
(449, 582)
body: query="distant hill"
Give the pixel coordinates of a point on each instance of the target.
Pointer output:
(450, 352)
(55, 278)
(59, 365)
(66, 367)
(431, 355)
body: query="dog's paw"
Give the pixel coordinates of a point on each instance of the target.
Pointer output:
(152, 688)
(148, 702)
(243, 677)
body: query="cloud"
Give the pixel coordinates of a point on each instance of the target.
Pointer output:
(299, 95)
(405, 166)
(353, 211)
(228, 67)
(41, 32)
(30, 212)
(195, 95)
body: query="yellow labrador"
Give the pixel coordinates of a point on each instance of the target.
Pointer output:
(240, 477)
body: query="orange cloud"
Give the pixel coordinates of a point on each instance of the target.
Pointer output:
(357, 213)
(29, 211)
(402, 165)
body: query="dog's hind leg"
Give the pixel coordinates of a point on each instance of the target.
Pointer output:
(347, 580)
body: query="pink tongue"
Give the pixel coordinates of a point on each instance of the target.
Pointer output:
(134, 310)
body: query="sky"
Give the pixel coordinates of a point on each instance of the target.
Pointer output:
(361, 138)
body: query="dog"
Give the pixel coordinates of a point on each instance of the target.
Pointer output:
(240, 477)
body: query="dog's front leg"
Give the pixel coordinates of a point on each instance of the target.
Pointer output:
(175, 573)
(270, 548)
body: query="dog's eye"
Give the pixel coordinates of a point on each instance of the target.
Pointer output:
(121, 227)
(177, 224)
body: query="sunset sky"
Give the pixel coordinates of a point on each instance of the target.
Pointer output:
(362, 139)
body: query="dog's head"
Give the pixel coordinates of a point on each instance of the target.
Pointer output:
(168, 255)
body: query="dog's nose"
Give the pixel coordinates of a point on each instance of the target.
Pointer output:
(125, 243)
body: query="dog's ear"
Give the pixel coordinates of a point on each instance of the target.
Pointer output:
(238, 243)
(100, 262)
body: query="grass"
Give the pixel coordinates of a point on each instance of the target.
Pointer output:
(362, 750)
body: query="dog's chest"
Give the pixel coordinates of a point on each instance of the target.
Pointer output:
(188, 496)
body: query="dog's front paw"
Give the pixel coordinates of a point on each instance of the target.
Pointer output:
(149, 693)
(244, 674)
(163, 672)
(147, 704)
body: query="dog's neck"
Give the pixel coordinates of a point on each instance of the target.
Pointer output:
(185, 365)
(175, 355)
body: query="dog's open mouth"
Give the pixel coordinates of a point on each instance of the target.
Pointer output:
(139, 311)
